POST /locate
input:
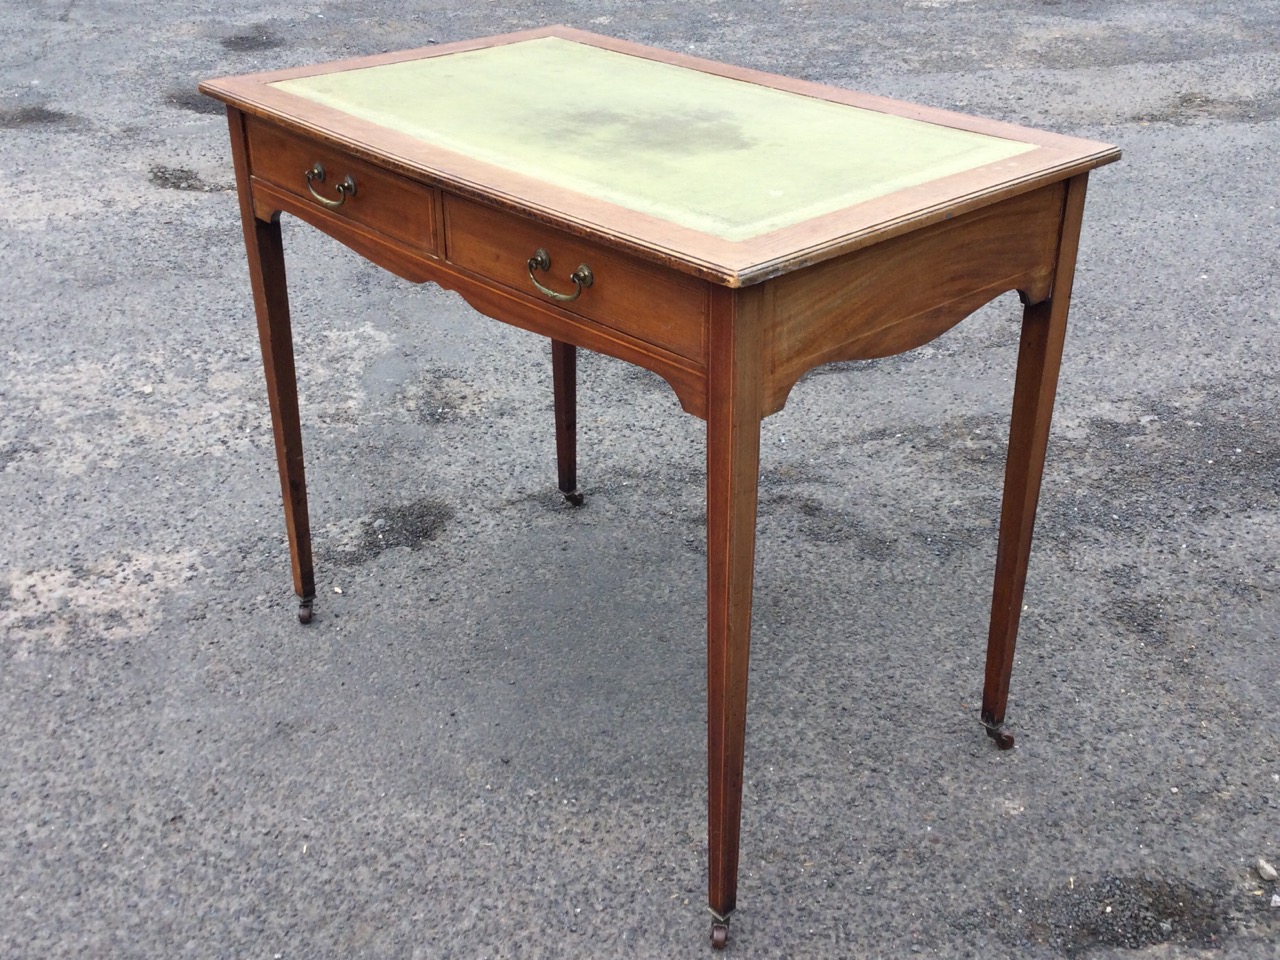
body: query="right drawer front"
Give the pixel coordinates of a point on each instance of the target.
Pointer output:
(664, 308)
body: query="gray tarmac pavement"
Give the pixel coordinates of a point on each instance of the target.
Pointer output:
(490, 742)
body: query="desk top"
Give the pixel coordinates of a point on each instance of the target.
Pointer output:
(723, 156)
(728, 173)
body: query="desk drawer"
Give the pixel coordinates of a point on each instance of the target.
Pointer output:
(383, 201)
(664, 308)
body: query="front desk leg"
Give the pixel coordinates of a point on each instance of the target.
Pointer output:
(564, 383)
(271, 302)
(733, 464)
(1044, 327)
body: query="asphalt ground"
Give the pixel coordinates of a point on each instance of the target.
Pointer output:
(490, 742)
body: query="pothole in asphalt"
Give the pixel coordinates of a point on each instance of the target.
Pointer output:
(406, 525)
(255, 39)
(193, 100)
(1125, 912)
(180, 178)
(12, 118)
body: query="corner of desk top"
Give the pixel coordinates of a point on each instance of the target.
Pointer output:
(213, 88)
(233, 91)
(1106, 153)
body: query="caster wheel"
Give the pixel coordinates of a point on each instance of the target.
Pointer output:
(304, 610)
(574, 499)
(719, 935)
(1004, 740)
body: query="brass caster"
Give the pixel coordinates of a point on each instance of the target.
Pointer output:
(719, 934)
(304, 609)
(1004, 740)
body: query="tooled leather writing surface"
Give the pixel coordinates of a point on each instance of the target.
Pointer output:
(726, 157)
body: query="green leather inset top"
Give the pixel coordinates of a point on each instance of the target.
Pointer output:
(726, 157)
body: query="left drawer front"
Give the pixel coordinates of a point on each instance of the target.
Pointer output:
(391, 204)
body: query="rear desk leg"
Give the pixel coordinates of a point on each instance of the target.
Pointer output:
(1044, 327)
(271, 302)
(564, 378)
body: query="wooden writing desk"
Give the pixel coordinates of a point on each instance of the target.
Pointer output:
(727, 229)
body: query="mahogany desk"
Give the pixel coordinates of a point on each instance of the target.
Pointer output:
(725, 228)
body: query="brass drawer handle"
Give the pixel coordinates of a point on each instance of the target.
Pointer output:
(582, 277)
(347, 188)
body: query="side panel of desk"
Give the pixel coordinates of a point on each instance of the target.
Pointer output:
(905, 292)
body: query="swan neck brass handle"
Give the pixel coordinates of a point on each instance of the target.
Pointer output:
(582, 277)
(347, 188)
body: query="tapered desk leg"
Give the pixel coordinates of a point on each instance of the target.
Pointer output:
(1044, 327)
(564, 377)
(733, 459)
(271, 302)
